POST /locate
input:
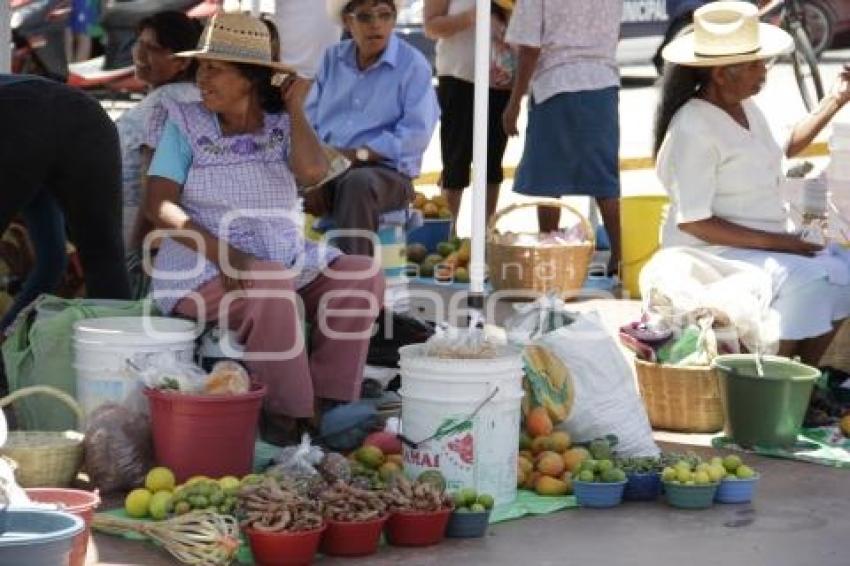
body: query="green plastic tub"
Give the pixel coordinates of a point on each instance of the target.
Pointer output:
(764, 411)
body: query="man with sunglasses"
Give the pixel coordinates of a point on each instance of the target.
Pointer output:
(373, 101)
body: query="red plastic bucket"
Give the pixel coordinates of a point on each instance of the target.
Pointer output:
(417, 528)
(76, 501)
(353, 539)
(284, 548)
(210, 435)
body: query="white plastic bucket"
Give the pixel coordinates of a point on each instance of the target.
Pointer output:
(438, 398)
(102, 347)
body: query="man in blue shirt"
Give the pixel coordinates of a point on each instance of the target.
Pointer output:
(373, 101)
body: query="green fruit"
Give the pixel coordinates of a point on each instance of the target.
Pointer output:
(486, 500)
(683, 475)
(745, 472)
(731, 462)
(160, 505)
(589, 465)
(717, 461)
(524, 441)
(619, 475)
(477, 508)
(445, 248)
(182, 508)
(585, 475)
(701, 478)
(716, 472)
(370, 456)
(668, 474)
(216, 498)
(462, 510)
(435, 478)
(604, 465)
(459, 499)
(610, 476)
(470, 496)
(600, 449)
(683, 465)
(703, 467)
(462, 275)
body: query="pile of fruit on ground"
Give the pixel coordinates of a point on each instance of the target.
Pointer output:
(450, 262)
(434, 207)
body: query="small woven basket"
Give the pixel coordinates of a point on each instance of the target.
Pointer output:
(683, 399)
(561, 268)
(44, 458)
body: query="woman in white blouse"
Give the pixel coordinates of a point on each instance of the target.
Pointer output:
(721, 166)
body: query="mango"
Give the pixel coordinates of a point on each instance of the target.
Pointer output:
(574, 457)
(546, 485)
(540, 444)
(550, 464)
(560, 441)
(538, 423)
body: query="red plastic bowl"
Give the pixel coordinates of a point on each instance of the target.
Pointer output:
(353, 539)
(417, 528)
(284, 548)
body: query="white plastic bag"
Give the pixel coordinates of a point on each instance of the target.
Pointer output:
(606, 399)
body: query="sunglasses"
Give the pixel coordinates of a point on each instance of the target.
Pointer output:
(365, 17)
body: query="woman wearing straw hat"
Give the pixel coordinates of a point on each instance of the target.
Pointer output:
(721, 166)
(223, 184)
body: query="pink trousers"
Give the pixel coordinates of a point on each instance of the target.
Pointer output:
(341, 305)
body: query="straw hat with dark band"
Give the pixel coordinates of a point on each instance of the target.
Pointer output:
(236, 38)
(727, 33)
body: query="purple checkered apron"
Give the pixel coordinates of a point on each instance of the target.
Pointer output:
(241, 190)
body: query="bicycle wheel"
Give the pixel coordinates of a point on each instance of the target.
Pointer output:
(806, 69)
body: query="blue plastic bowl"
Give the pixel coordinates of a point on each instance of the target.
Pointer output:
(38, 537)
(642, 487)
(598, 494)
(468, 525)
(737, 491)
(431, 233)
(690, 496)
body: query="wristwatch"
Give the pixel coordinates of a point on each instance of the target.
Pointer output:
(362, 154)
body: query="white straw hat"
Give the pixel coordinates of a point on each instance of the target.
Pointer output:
(236, 38)
(727, 33)
(335, 8)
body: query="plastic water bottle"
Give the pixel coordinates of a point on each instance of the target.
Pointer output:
(815, 197)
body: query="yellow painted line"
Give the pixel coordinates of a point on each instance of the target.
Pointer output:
(818, 149)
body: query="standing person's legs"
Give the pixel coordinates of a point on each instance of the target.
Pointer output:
(610, 210)
(456, 105)
(88, 184)
(548, 218)
(358, 198)
(342, 305)
(46, 228)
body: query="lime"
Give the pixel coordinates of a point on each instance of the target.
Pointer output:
(745, 472)
(470, 496)
(251, 479)
(716, 472)
(668, 474)
(585, 475)
(589, 465)
(486, 500)
(159, 479)
(701, 478)
(160, 505)
(731, 462)
(195, 479)
(182, 507)
(136, 503)
(478, 508)
(683, 474)
(603, 466)
(460, 500)
(228, 482)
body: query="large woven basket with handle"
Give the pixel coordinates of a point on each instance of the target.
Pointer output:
(680, 398)
(44, 458)
(560, 268)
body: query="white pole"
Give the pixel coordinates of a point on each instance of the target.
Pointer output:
(479, 146)
(255, 8)
(5, 37)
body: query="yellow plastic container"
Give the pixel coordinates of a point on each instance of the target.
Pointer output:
(640, 225)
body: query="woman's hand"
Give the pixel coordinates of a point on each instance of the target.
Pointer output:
(841, 87)
(510, 117)
(235, 277)
(294, 91)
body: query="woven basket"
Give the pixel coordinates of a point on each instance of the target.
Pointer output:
(541, 269)
(684, 399)
(44, 459)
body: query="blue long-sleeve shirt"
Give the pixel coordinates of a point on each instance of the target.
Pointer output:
(390, 107)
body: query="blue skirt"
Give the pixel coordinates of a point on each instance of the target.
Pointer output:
(572, 146)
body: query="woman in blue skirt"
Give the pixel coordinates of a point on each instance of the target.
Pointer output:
(567, 64)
